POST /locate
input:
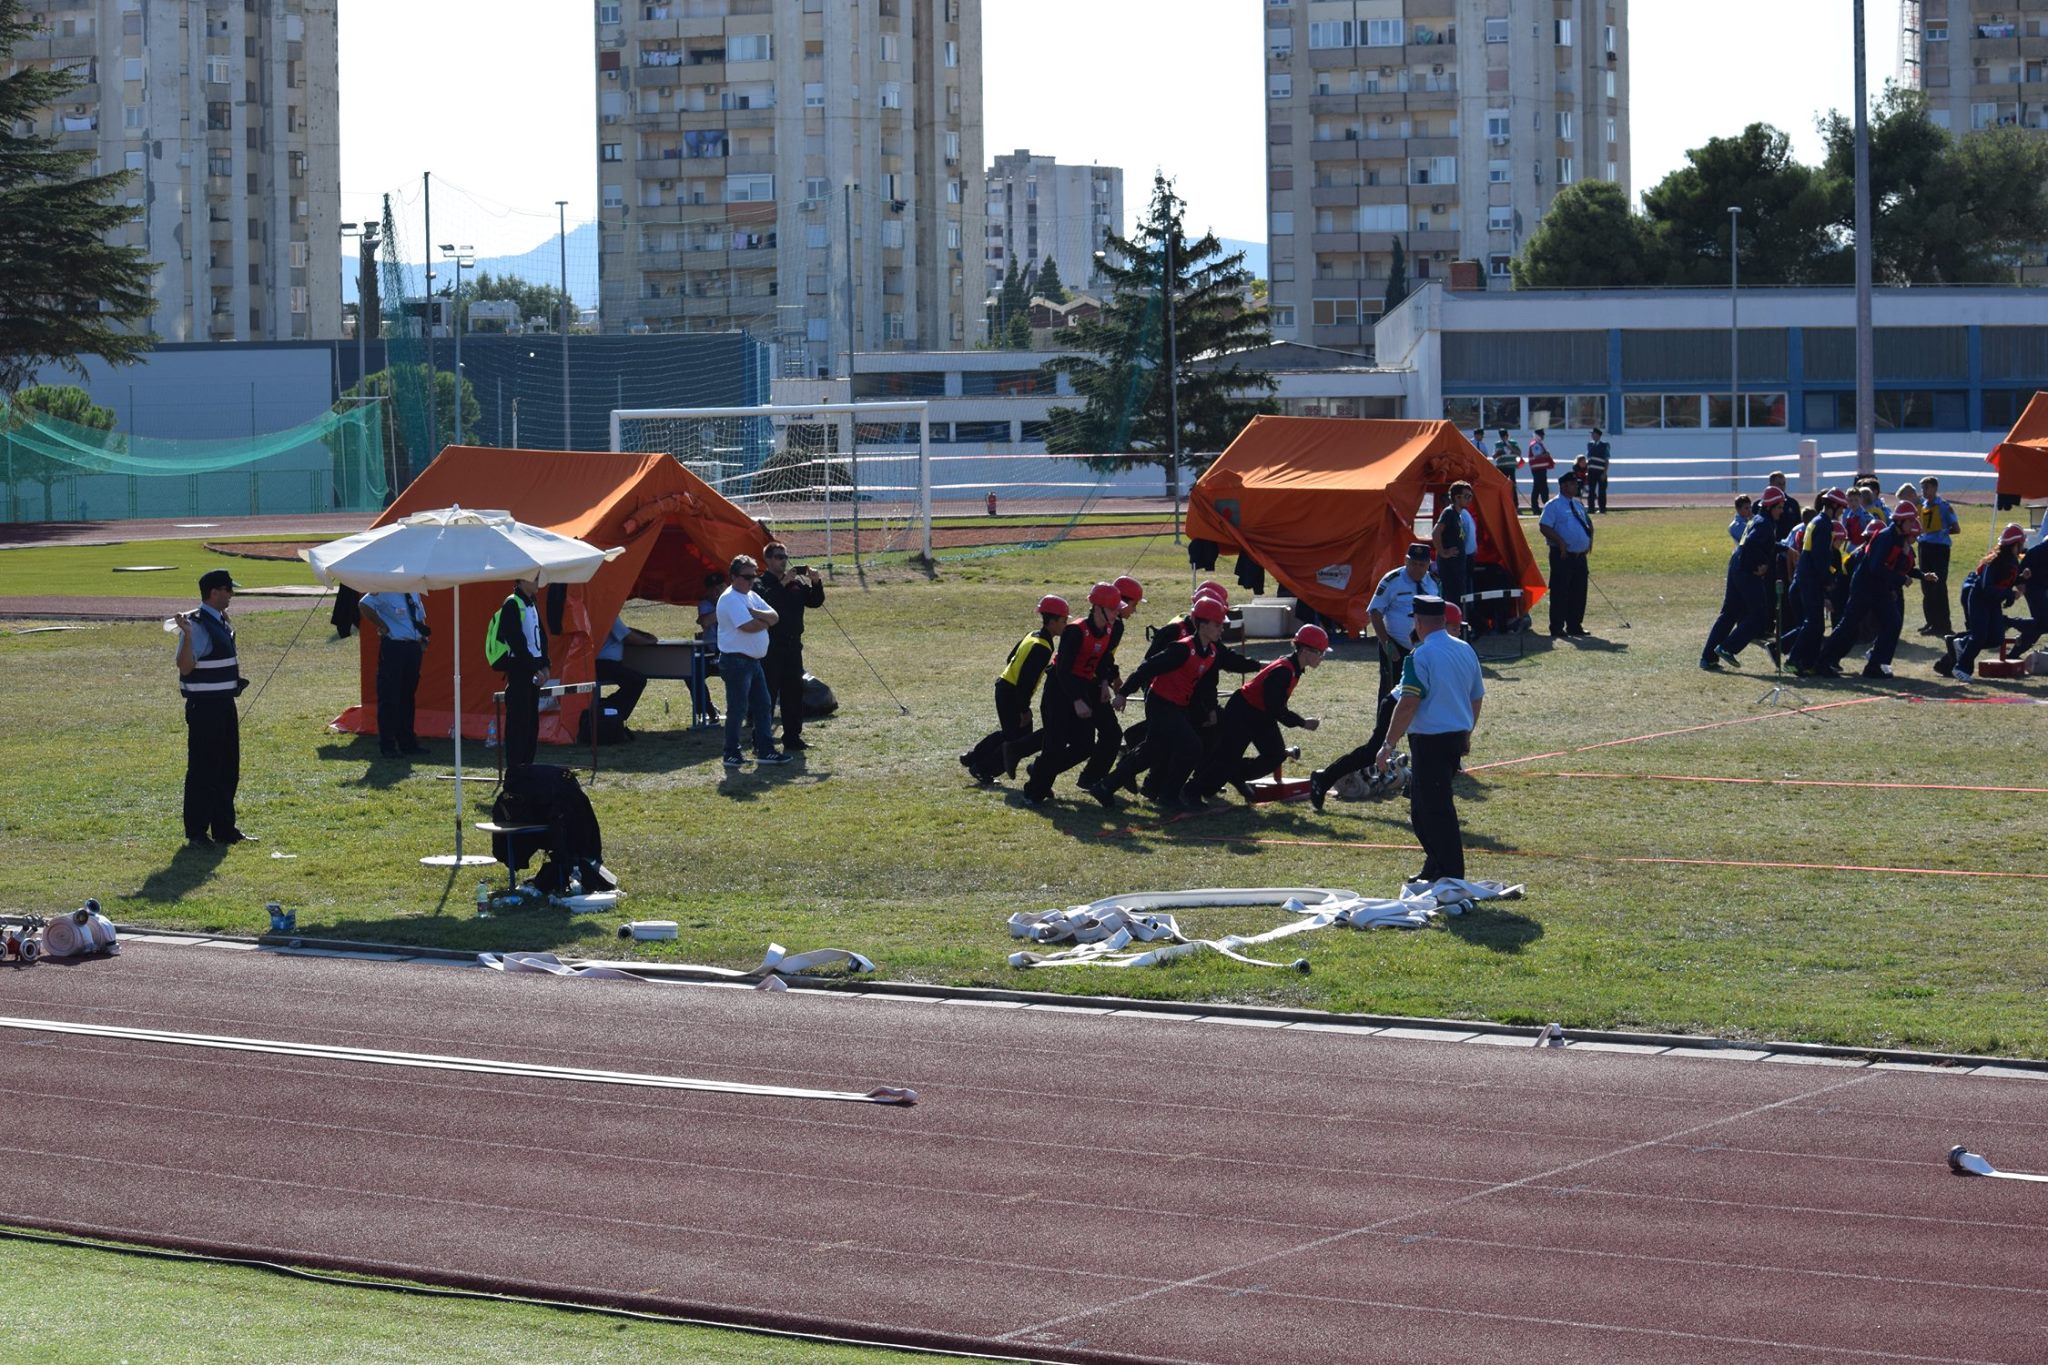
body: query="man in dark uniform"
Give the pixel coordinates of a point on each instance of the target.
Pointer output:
(789, 593)
(1877, 589)
(1820, 561)
(1179, 679)
(1077, 685)
(1391, 613)
(1012, 739)
(1252, 720)
(1597, 457)
(1507, 458)
(1746, 598)
(517, 646)
(401, 619)
(1441, 693)
(210, 678)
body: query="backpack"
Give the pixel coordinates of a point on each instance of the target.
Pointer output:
(545, 794)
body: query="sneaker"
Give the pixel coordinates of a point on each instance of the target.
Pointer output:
(1877, 670)
(1318, 788)
(1712, 665)
(774, 756)
(734, 764)
(793, 742)
(1035, 799)
(1945, 666)
(1103, 794)
(235, 836)
(1727, 656)
(1291, 751)
(967, 760)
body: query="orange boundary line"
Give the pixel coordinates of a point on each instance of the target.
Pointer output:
(1807, 782)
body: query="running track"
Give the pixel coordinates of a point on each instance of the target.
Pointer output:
(1071, 1186)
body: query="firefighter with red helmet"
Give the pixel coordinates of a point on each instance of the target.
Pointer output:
(1079, 683)
(1179, 678)
(1877, 588)
(1988, 590)
(1013, 738)
(1109, 732)
(1252, 720)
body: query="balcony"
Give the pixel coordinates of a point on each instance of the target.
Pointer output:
(656, 310)
(1335, 102)
(1434, 240)
(1433, 146)
(1336, 149)
(77, 45)
(1334, 243)
(751, 163)
(1333, 196)
(220, 324)
(221, 277)
(675, 167)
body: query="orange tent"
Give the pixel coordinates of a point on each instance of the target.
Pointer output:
(2022, 457)
(674, 528)
(1329, 504)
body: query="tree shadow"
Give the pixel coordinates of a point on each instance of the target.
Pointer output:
(188, 868)
(379, 772)
(1491, 926)
(542, 929)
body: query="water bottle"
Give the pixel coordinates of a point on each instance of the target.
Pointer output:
(483, 900)
(575, 882)
(491, 734)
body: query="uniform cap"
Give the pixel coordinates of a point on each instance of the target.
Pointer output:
(1428, 604)
(1106, 596)
(1312, 637)
(1129, 589)
(1207, 609)
(217, 578)
(1418, 550)
(1052, 605)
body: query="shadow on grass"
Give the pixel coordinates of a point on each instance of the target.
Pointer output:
(539, 930)
(1496, 930)
(188, 868)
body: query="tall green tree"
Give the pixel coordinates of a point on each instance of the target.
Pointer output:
(534, 300)
(1047, 283)
(65, 292)
(1945, 210)
(1788, 215)
(1397, 278)
(1589, 239)
(66, 403)
(1011, 300)
(1118, 365)
(413, 379)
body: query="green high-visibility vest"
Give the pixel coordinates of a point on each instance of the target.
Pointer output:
(495, 648)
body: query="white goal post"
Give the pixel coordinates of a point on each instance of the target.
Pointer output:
(822, 466)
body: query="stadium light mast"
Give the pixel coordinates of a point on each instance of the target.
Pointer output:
(463, 259)
(1866, 398)
(427, 314)
(562, 245)
(1734, 348)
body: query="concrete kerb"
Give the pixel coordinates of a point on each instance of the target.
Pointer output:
(1486, 1031)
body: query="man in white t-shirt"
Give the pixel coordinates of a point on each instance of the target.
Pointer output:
(743, 622)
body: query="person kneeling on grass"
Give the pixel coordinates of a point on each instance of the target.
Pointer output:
(1253, 718)
(1988, 590)
(1013, 739)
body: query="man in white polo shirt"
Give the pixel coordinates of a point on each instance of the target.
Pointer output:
(1441, 695)
(1392, 616)
(743, 622)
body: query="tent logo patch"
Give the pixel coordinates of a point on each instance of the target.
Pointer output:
(1336, 577)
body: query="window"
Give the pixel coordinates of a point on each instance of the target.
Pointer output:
(1610, 131)
(1497, 266)
(1381, 218)
(1500, 412)
(953, 191)
(1497, 124)
(889, 53)
(814, 94)
(1607, 38)
(1500, 218)
(814, 187)
(1283, 315)
(749, 47)
(1937, 33)
(892, 95)
(298, 298)
(749, 189)
(1585, 411)
(1335, 312)
(1564, 33)
(217, 72)
(1432, 170)
(1279, 42)
(1380, 32)
(1564, 124)
(1564, 170)
(614, 197)
(1283, 224)
(1325, 33)
(131, 116)
(952, 53)
(132, 161)
(953, 234)
(220, 116)
(1280, 86)
(611, 151)
(1496, 30)
(1499, 172)
(607, 14)
(1983, 116)
(1608, 81)
(952, 147)
(131, 69)
(892, 233)
(297, 256)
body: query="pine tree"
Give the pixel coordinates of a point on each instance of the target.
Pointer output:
(1011, 301)
(64, 291)
(1119, 365)
(1397, 279)
(1050, 287)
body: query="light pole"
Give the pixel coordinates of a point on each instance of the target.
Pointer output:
(1866, 398)
(464, 257)
(562, 241)
(1734, 348)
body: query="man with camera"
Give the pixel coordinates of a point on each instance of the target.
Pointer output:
(789, 592)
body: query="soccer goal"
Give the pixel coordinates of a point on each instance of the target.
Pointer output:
(828, 478)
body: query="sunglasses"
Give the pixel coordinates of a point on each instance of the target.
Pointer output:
(744, 577)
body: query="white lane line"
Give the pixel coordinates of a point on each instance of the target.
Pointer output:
(433, 1062)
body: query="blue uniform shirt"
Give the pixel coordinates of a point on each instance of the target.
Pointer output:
(614, 648)
(1564, 516)
(1394, 599)
(1937, 521)
(398, 613)
(1444, 672)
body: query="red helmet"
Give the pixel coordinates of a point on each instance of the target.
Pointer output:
(1129, 589)
(1106, 596)
(1772, 496)
(1210, 590)
(2013, 534)
(1052, 605)
(1835, 497)
(1312, 637)
(1207, 609)
(1211, 585)
(1906, 514)
(1454, 615)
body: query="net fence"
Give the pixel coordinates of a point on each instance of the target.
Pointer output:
(60, 470)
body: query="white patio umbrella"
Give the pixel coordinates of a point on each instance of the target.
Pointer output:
(446, 548)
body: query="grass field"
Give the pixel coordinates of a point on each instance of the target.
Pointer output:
(68, 1304)
(878, 843)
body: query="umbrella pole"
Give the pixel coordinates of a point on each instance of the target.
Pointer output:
(459, 858)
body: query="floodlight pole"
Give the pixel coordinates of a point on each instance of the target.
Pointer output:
(562, 245)
(449, 249)
(1734, 349)
(1866, 397)
(427, 318)
(1172, 383)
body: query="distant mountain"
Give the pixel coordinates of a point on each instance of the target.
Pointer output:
(1254, 255)
(541, 265)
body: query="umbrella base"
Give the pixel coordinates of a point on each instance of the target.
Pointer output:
(457, 860)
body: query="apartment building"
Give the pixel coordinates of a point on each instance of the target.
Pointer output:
(1039, 209)
(226, 110)
(1981, 65)
(801, 170)
(1448, 124)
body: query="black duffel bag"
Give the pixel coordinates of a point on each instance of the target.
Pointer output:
(546, 794)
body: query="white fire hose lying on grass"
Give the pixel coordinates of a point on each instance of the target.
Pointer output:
(1102, 932)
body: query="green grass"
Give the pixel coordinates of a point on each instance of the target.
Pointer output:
(878, 843)
(68, 1304)
(89, 570)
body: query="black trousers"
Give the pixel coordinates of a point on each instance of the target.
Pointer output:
(1569, 579)
(785, 670)
(1539, 489)
(1453, 577)
(1596, 490)
(1172, 749)
(1069, 741)
(213, 766)
(1361, 758)
(1013, 726)
(522, 718)
(1934, 596)
(1432, 813)
(398, 682)
(628, 683)
(1243, 727)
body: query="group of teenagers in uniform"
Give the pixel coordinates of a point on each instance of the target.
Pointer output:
(1814, 584)
(1194, 741)
(1589, 469)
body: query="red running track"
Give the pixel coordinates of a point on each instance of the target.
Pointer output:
(1070, 1187)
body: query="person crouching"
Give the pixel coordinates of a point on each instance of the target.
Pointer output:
(1013, 738)
(1252, 720)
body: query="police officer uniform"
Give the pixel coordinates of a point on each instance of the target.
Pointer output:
(213, 737)
(1441, 692)
(402, 623)
(1394, 600)
(1570, 532)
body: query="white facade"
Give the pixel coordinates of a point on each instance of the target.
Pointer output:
(803, 171)
(1040, 209)
(228, 115)
(1449, 124)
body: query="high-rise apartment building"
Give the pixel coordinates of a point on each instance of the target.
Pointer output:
(1039, 209)
(227, 112)
(1981, 65)
(805, 171)
(1448, 124)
